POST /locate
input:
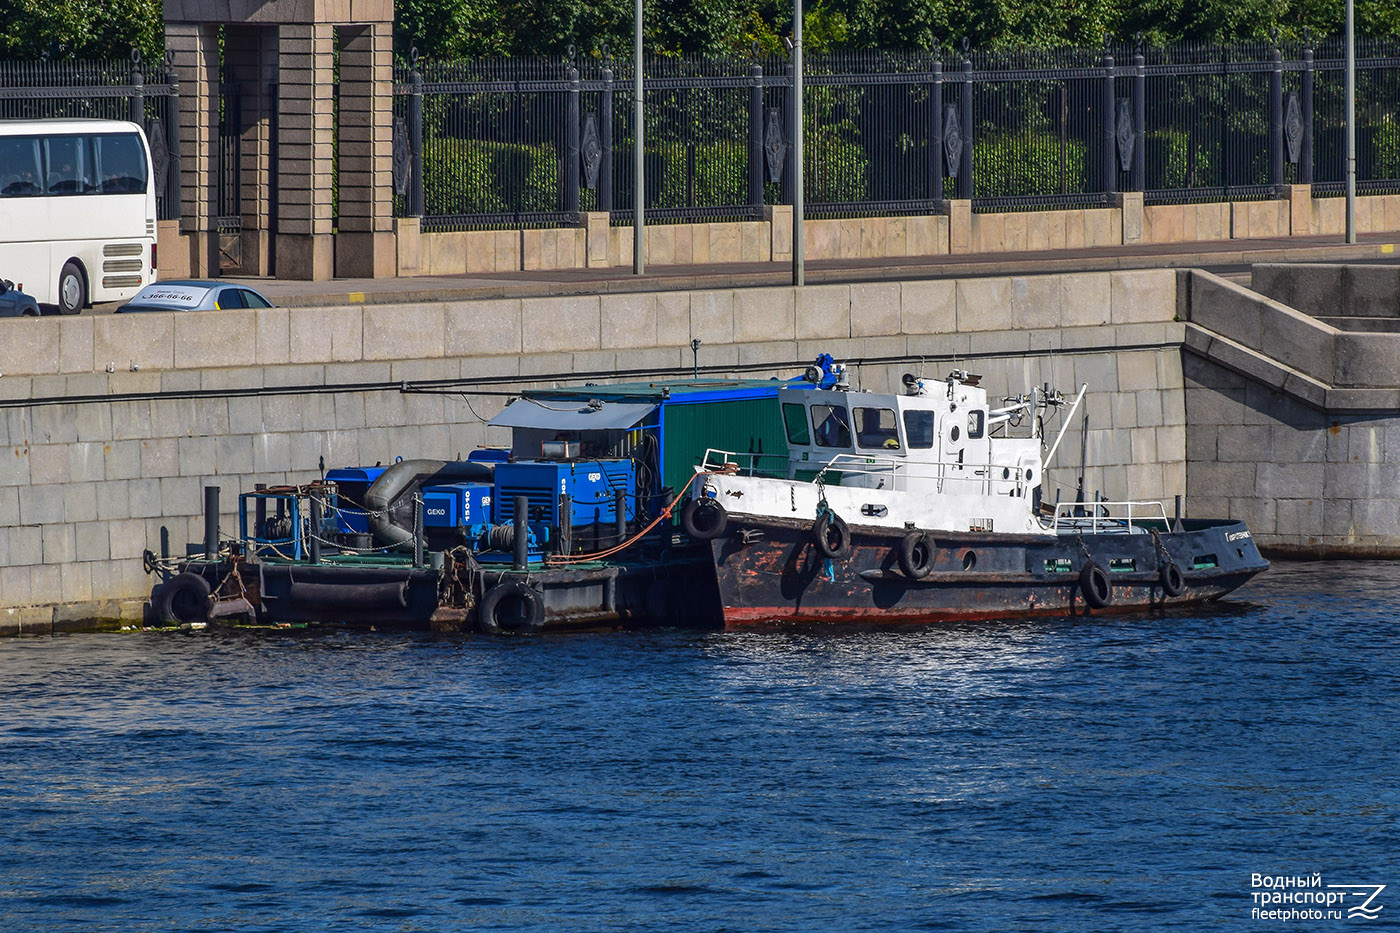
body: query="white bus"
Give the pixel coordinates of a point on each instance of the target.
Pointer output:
(77, 210)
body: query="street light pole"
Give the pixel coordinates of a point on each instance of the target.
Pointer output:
(798, 273)
(1351, 122)
(638, 151)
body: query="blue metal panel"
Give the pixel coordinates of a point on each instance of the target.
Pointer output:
(590, 483)
(351, 484)
(453, 505)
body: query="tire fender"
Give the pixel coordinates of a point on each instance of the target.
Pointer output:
(831, 536)
(181, 600)
(510, 607)
(704, 519)
(1172, 580)
(915, 555)
(1095, 585)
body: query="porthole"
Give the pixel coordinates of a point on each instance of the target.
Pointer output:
(1006, 472)
(1030, 475)
(954, 433)
(969, 559)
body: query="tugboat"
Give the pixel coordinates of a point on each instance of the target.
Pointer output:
(927, 506)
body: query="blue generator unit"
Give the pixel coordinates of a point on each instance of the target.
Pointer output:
(591, 484)
(351, 484)
(456, 505)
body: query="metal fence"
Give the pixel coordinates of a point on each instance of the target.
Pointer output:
(110, 90)
(516, 142)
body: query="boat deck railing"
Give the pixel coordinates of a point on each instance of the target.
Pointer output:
(1108, 517)
(902, 474)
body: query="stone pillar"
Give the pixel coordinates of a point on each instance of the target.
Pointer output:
(1300, 212)
(1130, 205)
(365, 239)
(779, 218)
(959, 225)
(194, 50)
(305, 151)
(251, 54)
(597, 237)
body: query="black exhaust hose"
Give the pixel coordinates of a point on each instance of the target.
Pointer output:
(389, 499)
(341, 597)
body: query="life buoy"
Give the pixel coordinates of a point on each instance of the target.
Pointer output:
(182, 600)
(703, 518)
(512, 606)
(915, 555)
(1096, 586)
(1173, 582)
(831, 536)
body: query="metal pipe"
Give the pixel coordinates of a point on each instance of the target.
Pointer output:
(259, 510)
(313, 539)
(1065, 427)
(638, 151)
(211, 522)
(521, 557)
(798, 272)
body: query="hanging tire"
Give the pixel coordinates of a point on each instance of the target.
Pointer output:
(1095, 585)
(704, 519)
(831, 536)
(510, 607)
(1173, 582)
(182, 600)
(915, 555)
(72, 289)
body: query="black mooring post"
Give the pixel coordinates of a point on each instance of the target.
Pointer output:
(521, 557)
(620, 515)
(417, 531)
(566, 523)
(211, 522)
(313, 536)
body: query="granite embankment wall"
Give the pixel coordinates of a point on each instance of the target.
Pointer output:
(110, 425)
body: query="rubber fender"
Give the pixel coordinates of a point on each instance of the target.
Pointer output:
(704, 519)
(1096, 586)
(831, 536)
(339, 597)
(915, 555)
(181, 600)
(389, 499)
(1173, 582)
(509, 607)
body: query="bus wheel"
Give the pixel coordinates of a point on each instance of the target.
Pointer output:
(72, 290)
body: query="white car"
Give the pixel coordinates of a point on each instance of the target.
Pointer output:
(193, 295)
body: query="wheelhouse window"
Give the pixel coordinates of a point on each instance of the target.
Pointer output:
(795, 420)
(877, 429)
(976, 423)
(918, 429)
(832, 425)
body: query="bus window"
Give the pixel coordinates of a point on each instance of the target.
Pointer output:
(918, 428)
(795, 420)
(876, 428)
(68, 165)
(833, 428)
(121, 164)
(19, 175)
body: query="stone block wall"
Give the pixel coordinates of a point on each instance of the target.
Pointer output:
(110, 425)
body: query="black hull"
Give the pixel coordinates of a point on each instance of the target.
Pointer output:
(769, 570)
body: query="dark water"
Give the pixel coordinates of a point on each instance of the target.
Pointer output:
(1121, 774)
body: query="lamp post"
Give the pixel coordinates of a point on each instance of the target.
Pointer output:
(798, 273)
(1351, 122)
(638, 151)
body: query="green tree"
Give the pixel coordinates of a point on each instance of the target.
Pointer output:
(81, 28)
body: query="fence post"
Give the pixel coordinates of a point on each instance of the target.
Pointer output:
(571, 147)
(1139, 178)
(1305, 160)
(1110, 170)
(173, 207)
(415, 137)
(935, 136)
(756, 136)
(965, 117)
(1276, 115)
(605, 133)
(137, 106)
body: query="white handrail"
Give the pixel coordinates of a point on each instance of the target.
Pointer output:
(1064, 514)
